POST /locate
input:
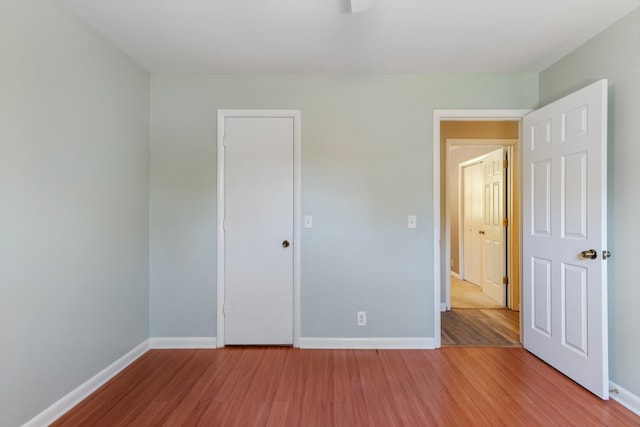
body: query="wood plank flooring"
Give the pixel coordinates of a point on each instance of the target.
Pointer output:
(494, 327)
(257, 386)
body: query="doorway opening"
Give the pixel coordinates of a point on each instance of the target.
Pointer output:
(564, 292)
(469, 258)
(478, 186)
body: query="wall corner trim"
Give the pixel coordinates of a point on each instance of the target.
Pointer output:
(63, 405)
(182, 342)
(624, 397)
(368, 343)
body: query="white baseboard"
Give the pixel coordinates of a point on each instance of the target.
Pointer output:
(368, 343)
(443, 306)
(182, 343)
(454, 275)
(67, 402)
(624, 397)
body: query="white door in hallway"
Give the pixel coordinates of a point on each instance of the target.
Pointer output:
(472, 218)
(258, 230)
(564, 236)
(493, 229)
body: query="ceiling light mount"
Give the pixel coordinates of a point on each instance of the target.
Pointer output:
(358, 6)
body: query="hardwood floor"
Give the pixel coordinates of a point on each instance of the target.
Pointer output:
(257, 386)
(477, 320)
(497, 327)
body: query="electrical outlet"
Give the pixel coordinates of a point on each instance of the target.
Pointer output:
(362, 318)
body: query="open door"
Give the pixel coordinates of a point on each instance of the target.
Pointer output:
(564, 236)
(494, 227)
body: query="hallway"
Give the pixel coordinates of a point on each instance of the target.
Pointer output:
(475, 320)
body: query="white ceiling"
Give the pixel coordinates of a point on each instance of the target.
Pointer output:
(320, 36)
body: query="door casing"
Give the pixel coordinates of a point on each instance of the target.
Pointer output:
(441, 247)
(296, 244)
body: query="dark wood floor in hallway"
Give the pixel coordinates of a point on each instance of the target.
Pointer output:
(257, 386)
(481, 327)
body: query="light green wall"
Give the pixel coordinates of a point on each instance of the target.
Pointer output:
(614, 55)
(366, 165)
(74, 158)
(74, 194)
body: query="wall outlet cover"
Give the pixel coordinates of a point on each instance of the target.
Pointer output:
(362, 318)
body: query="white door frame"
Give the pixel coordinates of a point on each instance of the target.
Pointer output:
(440, 264)
(222, 115)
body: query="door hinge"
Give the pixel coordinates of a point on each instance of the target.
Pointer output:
(505, 222)
(505, 280)
(505, 164)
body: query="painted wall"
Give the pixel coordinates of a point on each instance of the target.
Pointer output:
(74, 127)
(366, 165)
(74, 193)
(614, 55)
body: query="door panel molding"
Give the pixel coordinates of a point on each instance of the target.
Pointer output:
(563, 221)
(494, 253)
(296, 246)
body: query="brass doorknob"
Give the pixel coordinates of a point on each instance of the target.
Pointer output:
(590, 254)
(285, 244)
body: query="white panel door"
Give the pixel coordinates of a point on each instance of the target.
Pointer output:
(258, 261)
(564, 214)
(472, 222)
(493, 230)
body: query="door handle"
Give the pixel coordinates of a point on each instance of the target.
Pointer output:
(285, 244)
(590, 254)
(481, 232)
